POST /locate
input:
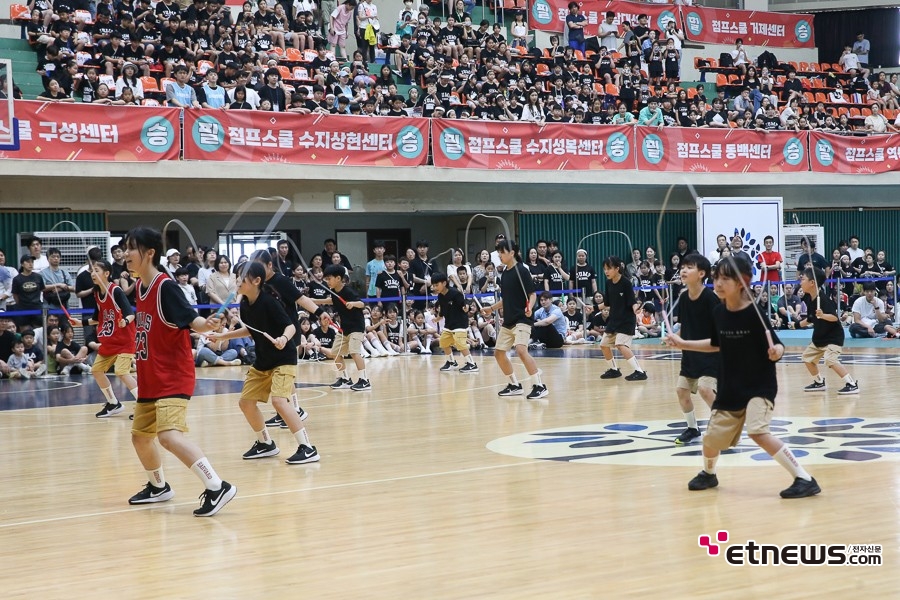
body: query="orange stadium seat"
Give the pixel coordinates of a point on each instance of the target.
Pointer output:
(611, 89)
(810, 97)
(721, 80)
(293, 55)
(149, 84)
(285, 73)
(854, 112)
(204, 65)
(820, 97)
(165, 81)
(19, 12)
(541, 69)
(804, 66)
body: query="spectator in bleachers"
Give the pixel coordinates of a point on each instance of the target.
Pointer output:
(876, 122)
(651, 114)
(861, 48)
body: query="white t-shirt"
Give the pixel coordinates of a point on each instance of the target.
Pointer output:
(854, 254)
(608, 34)
(849, 61)
(868, 311)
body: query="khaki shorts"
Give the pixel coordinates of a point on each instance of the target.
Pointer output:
(616, 339)
(457, 339)
(831, 352)
(344, 344)
(122, 362)
(519, 335)
(162, 415)
(692, 384)
(724, 428)
(279, 382)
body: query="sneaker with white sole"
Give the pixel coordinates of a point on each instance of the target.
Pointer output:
(342, 384)
(275, 421)
(450, 365)
(537, 392)
(687, 436)
(300, 413)
(469, 368)
(816, 386)
(151, 494)
(212, 501)
(41, 370)
(261, 450)
(361, 385)
(305, 454)
(511, 390)
(109, 410)
(67, 370)
(849, 388)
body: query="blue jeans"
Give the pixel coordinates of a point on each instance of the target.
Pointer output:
(210, 356)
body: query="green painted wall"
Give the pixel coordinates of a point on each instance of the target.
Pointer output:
(12, 223)
(875, 228)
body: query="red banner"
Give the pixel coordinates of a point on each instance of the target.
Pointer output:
(558, 147)
(756, 28)
(720, 150)
(252, 136)
(831, 153)
(53, 131)
(550, 15)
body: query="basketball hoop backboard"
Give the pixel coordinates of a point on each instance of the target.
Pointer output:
(9, 129)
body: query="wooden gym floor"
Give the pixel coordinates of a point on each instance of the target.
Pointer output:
(582, 495)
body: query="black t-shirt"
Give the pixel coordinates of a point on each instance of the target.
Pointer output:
(83, 282)
(7, 339)
(352, 320)
(516, 286)
(318, 291)
(453, 309)
(28, 288)
(582, 276)
(619, 297)
(824, 332)
(745, 369)
(268, 314)
(325, 336)
(697, 323)
(288, 294)
(72, 347)
(575, 320)
(598, 321)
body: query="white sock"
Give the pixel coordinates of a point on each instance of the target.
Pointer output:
(849, 379)
(134, 393)
(819, 378)
(205, 473)
(449, 352)
(295, 402)
(380, 346)
(513, 380)
(369, 347)
(362, 374)
(470, 359)
(156, 478)
(537, 378)
(709, 464)
(691, 420)
(786, 459)
(110, 395)
(612, 364)
(634, 364)
(343, 374)
(302, 437)
(263, 436)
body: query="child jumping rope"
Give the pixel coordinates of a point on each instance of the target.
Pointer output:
(353, 326)
(456, 323)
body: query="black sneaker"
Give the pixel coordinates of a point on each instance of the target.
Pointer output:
(212, 502)
(703, 481)
(849, 388)
(815, 386)
(261, 450)
(305, 454)
(450, 365)
(300, 413)
(611, 374)
(342, 384)
(469, 368)
(321, 357)
(109, 410)
(687, 436)
(151, 494)
(275, 421)
(636, 376)
(511, 390)
(801, 488)
(361, 385)
(538, 392)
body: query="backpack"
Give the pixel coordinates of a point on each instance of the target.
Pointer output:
(768, 60)
(726, 60)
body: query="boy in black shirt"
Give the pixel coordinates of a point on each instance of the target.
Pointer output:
(353, 327)
(623, 307)
(698, 371)
(517, 298)
(274, 370)
(456, 324)
(747, 382)
(828, 335)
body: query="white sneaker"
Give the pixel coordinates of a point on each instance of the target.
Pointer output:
(67, 370)
(40, 370)
(426, 351)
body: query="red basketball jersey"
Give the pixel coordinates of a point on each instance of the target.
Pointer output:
(113, 339)
(165, 365)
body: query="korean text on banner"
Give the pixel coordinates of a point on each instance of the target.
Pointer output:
(831, 153)
(555, 146)
(720, 150)
(250, 136)
(87, 132)
(756, 28)
(550, 15)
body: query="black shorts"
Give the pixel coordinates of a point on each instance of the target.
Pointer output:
(655, 69)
